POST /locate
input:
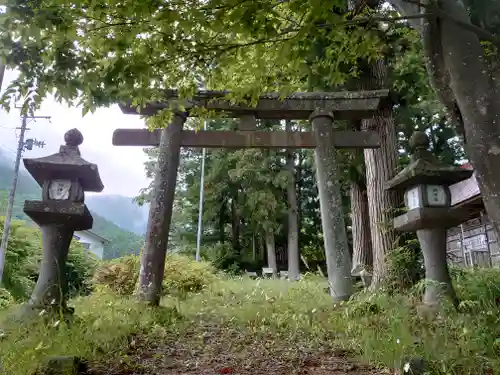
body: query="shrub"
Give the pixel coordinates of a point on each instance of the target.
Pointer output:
(120, 275)
(80, 269)
(6, 298)
(478, 287)
(182, 275)
(406, 266)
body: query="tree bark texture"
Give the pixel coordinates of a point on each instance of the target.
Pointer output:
(271, 252)
(160, 214)
(362, 258)
(465, 82)
(338, 260)
(222, 222)
(381, 166)
(293, 224)
(52, 285)
(235, 225)
(437, 276)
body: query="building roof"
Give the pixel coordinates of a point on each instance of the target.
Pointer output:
(467, 166)
(102, 239)
(464, 190)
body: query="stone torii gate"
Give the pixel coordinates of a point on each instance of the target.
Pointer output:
(319, 108)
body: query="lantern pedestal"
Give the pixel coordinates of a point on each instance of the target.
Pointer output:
(52, 285)
(437, 276)
(58, 220)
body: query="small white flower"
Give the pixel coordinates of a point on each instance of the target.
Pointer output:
(313, 311)
(397, 341)
(406, 367)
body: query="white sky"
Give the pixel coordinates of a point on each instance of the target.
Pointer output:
(121, 168)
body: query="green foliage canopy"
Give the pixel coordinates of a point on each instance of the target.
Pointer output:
(100, 52)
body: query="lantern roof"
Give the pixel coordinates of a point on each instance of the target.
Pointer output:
(425, 168)
(66, 164)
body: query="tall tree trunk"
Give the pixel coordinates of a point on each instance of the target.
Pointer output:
(271, 251)
(222, 222)
(235, 225)
(299, 194)
(464, 81)
(362, 259)
(254, 250)
(293, 226)
(380, 167)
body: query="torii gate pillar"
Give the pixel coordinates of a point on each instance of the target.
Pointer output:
(160, 212)
(338, 261)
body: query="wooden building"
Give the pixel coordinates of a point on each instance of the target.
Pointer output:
(472, 241)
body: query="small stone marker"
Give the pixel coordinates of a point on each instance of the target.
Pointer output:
(284, 274)
(252, 275)
(267, 272)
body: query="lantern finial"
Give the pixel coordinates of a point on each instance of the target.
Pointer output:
(73, 138)
(418, 141)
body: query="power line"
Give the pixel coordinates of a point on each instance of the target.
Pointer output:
(8, 148)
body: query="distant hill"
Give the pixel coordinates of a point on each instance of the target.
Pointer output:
(120, 210)
(122, 239)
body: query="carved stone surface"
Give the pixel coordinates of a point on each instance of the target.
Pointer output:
(73, 214)
(344, 105)
(52, 286)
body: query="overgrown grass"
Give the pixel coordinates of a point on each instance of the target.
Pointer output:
(383, 330)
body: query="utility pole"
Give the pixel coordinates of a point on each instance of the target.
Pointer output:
(2, 73)
(10, 205)
(202, 191)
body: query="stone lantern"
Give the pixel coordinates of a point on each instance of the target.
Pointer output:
(426, 185)
(64, 177)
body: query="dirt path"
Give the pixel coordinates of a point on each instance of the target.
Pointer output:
(230, 353)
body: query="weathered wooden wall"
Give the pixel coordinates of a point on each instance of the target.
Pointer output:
(477, 241)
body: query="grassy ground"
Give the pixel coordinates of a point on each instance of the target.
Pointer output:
(251, 327)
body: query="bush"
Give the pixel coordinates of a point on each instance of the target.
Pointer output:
(224, 258)
(6, 298)
(120, 275)
(478, 287)
(80, 269)
(406, 266)
(182, 275)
